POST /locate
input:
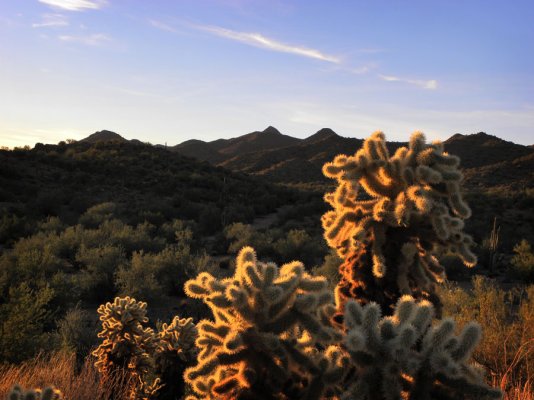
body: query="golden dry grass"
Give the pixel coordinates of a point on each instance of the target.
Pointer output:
(59, 370)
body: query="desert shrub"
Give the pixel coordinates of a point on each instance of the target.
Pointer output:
(139, 278)
(51, 224)
(96, 278)
(77, 333)
(11, 228)
(97, 214)
(298, 245)
(523, 261)
(240, 235)
(507, 321)
(24, 318)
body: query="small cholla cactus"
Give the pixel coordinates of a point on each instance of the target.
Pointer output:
(270, 335)
(402, 356)
(49, 393)
(127, 345)
(409, 213)
(127, 342)
(176, 350)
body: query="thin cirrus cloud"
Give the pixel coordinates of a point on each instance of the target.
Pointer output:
(431, 84)
(258, 40)
(161, 25)
(75, 5)
(95, 39)
(261, 41)
(51, 21)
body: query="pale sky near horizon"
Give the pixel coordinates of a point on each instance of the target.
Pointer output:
(169, 71)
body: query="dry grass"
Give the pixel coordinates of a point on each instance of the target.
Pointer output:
(507, 319)
(59, 370)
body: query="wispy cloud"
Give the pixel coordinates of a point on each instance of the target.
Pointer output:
(75, 5)
(431, 84)
(258, 40)
(52, 21)
(95, 39)
(161, 25)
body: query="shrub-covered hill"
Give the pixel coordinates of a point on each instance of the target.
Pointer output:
(145, 182)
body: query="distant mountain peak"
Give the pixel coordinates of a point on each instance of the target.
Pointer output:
(271, 130)
(103, 136)
(322, 134)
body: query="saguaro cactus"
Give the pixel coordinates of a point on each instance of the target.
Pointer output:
(270, 335)
(390, 233)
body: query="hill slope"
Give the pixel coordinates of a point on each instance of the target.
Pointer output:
(147, 182)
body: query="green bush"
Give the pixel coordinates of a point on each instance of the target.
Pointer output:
(523, 261)
(24, 319)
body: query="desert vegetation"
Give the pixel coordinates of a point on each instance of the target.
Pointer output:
(366, 313)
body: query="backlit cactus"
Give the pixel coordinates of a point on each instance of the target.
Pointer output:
(49, 393)
(127, 342)
(403, 356)
(128, 345)
(175, 351)
(270, 335)
(390, 234)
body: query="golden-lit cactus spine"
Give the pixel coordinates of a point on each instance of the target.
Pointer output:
(48, 393)
(262, 342)
(403, 356)
(392, 217)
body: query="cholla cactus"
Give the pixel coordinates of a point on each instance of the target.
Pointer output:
(176, 350)
(402, 356)
(390, 236)
(269, 327)
(127, 344)
(49, 393)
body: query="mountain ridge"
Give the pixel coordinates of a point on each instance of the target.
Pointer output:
(487, 160)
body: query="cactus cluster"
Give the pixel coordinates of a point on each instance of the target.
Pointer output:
(270, 335)
(48, 393)
(153, 360)
(403, 356)
(392, 217)
(279, 333)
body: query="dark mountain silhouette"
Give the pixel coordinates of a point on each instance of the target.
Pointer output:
(320, 135)
(487, 160)
(220, 150)
(200, 150)
(103, 136)
(481, 149)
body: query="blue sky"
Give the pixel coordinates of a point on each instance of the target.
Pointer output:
(168, 71)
